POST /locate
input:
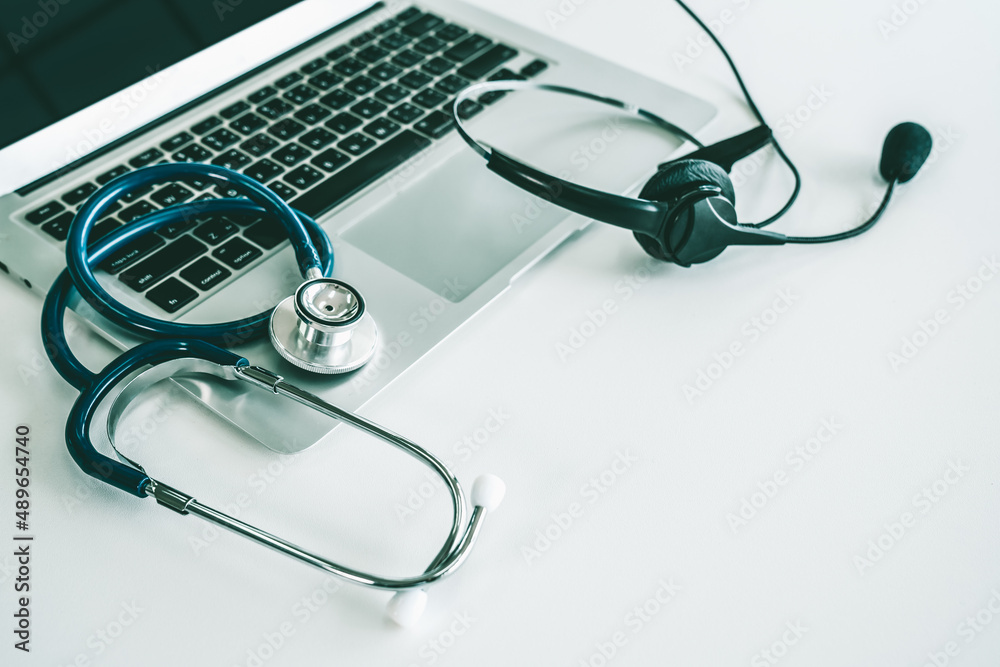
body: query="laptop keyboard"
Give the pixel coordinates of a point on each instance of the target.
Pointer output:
(315, 136)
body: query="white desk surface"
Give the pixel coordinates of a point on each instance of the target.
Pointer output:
(121, 582)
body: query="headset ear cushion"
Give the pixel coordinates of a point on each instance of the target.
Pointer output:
(677, 178)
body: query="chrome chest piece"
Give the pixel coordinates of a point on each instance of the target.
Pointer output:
(324, 327)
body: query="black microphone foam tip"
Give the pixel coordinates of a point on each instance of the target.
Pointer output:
(905, 150)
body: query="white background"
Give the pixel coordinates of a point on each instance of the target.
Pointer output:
(102, 558)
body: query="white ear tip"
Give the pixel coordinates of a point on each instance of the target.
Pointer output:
(487, 492)
(406, 607)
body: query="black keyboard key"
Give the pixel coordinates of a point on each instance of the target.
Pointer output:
(408, 15)
(102, 229)
(451, 32)
(338, 52)
(436, 124)
(534, 68)
(131, 253)
(467, 48)
(175, 229)
(267, 233)
(437, 66)
(286, 129)
(338, 99)
(302, 177)
(504, 74)
(361, 85)
(415, 80)
(371, 54)
(43, 213)
(325, 80)
(109, 176)
(58, 227)
(206, 125)
(221, 139)
(406, 113)
(313, 66)
(425, 23)
(234, 110)
(380, 128)
(192, 153)
(261, 144)
(161, 263)
(288, 80)
(356, 144)
(300, 94)
(368, 108)
(229, 192)
(170, 194)
(429, 45)
(286, 192)
(136, 210)
(491, 97)
(135, 195)
(488, 62)
(248, 123)
(263, 171)
(392, 93)
(216, 230)
(205, 274)
(468, 108)
(312, 114)
(384, 26)
(174, 142)
(385, 72)
(360, 173)
(290, 154)
(451, 84)
(317, 138)
(148, 156)
(429, 98)
(343, 123)
(172, 295)
(231, 159)
(196, 182)
(79, 193)
(262, 94)
(275, 109)
(362, 39)
(407, 58)
(330, 160)
(395, 41)
(237, 253)
(349, 66)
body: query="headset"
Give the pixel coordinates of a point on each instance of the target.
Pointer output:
(685, 214)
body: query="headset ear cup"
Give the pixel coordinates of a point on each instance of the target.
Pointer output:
(677, 178)
(652, 247)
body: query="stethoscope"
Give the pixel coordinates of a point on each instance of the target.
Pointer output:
(324, 327)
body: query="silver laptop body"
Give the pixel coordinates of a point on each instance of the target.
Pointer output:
(428, 244)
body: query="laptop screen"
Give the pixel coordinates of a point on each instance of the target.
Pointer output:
(59, 56)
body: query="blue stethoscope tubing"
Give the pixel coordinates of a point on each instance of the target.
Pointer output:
(172, 340)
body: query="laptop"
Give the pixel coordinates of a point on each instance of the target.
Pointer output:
(341, 108)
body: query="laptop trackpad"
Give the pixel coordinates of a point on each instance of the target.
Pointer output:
(458, 226)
